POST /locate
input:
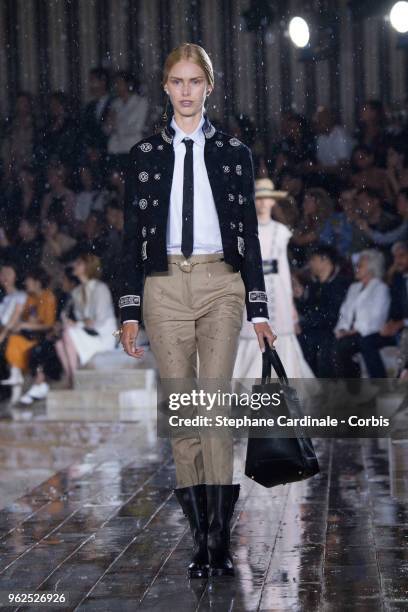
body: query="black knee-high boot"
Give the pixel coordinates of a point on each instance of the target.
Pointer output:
(221, 500)
(193, 501)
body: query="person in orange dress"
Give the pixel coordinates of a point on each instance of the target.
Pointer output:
(38, 317)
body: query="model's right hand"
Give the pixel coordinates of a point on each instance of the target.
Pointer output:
(128, 339)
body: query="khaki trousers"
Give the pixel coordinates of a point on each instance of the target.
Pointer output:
(190, 313)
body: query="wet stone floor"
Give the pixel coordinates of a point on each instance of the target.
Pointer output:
(108, 533)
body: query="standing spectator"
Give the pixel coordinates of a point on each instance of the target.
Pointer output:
(127, 117)
(97, 110)
(318, 304)
(60, 200)
(362, 315)
(95, 322)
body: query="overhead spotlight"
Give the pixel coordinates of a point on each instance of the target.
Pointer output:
(299, 31)
(399, 17)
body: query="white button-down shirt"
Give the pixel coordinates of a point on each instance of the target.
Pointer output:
(207, 235)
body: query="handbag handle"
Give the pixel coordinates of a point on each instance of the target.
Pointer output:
(270, 359)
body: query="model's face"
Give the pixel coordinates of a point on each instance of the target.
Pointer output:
(187, 87)
(264, 205)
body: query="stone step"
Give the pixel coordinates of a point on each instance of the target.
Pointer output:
(116, 380)
(97, 405)
(119, 360)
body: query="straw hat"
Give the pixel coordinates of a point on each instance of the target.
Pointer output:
(264, 188)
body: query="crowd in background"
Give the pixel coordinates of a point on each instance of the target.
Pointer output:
(345, 200)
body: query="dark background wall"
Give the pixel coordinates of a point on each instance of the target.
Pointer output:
(50, 44)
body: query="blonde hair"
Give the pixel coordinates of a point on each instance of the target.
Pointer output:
(193, 53)
(92, 265)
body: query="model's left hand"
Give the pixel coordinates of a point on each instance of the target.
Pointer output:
(263, 331)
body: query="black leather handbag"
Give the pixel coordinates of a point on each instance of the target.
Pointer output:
(272, 461)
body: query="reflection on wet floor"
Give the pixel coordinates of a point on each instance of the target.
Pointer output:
(108, 532)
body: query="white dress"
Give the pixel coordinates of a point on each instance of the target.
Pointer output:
(273, 238)
(95, 305)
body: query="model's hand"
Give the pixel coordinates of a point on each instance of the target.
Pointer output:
(263, 331)
(128, 339)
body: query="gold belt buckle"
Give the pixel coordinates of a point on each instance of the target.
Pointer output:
(185, 266)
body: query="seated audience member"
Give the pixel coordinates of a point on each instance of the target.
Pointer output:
(11, 302)
(127, 116)
(91, 331)
(56, 244)
(89, 198)
(93, 238)
(397, 324)
(333, 145)
(365, 175)
(96, 111)
(362, 316)
(371, 205)
(296, 141)
(24, 200)
(317, 207)
(342, 228)
(60, 200)
(38, 317)
(60, 138)
(393, 235)
(27, 251)
(372, 133)
(292, 181)
(318, 304)
(44, 363)
(397, 166)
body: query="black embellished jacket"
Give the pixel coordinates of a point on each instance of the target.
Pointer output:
(148, 185)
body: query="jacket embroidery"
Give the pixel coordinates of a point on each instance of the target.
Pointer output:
(144, 245)
(129, 300)
(234, 142)
(258, 296)
(145, 147)
(241, 246)
(142, 203)
(143, 177)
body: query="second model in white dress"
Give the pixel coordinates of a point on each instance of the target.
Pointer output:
(273, 238)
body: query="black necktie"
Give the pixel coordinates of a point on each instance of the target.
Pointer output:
(188, 200)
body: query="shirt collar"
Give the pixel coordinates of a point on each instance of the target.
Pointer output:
(197, 135)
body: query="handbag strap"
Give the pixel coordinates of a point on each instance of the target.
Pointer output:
(270, 359)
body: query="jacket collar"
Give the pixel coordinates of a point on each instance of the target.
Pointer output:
(168, 131)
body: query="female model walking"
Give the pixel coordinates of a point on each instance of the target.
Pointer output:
(191, 246)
